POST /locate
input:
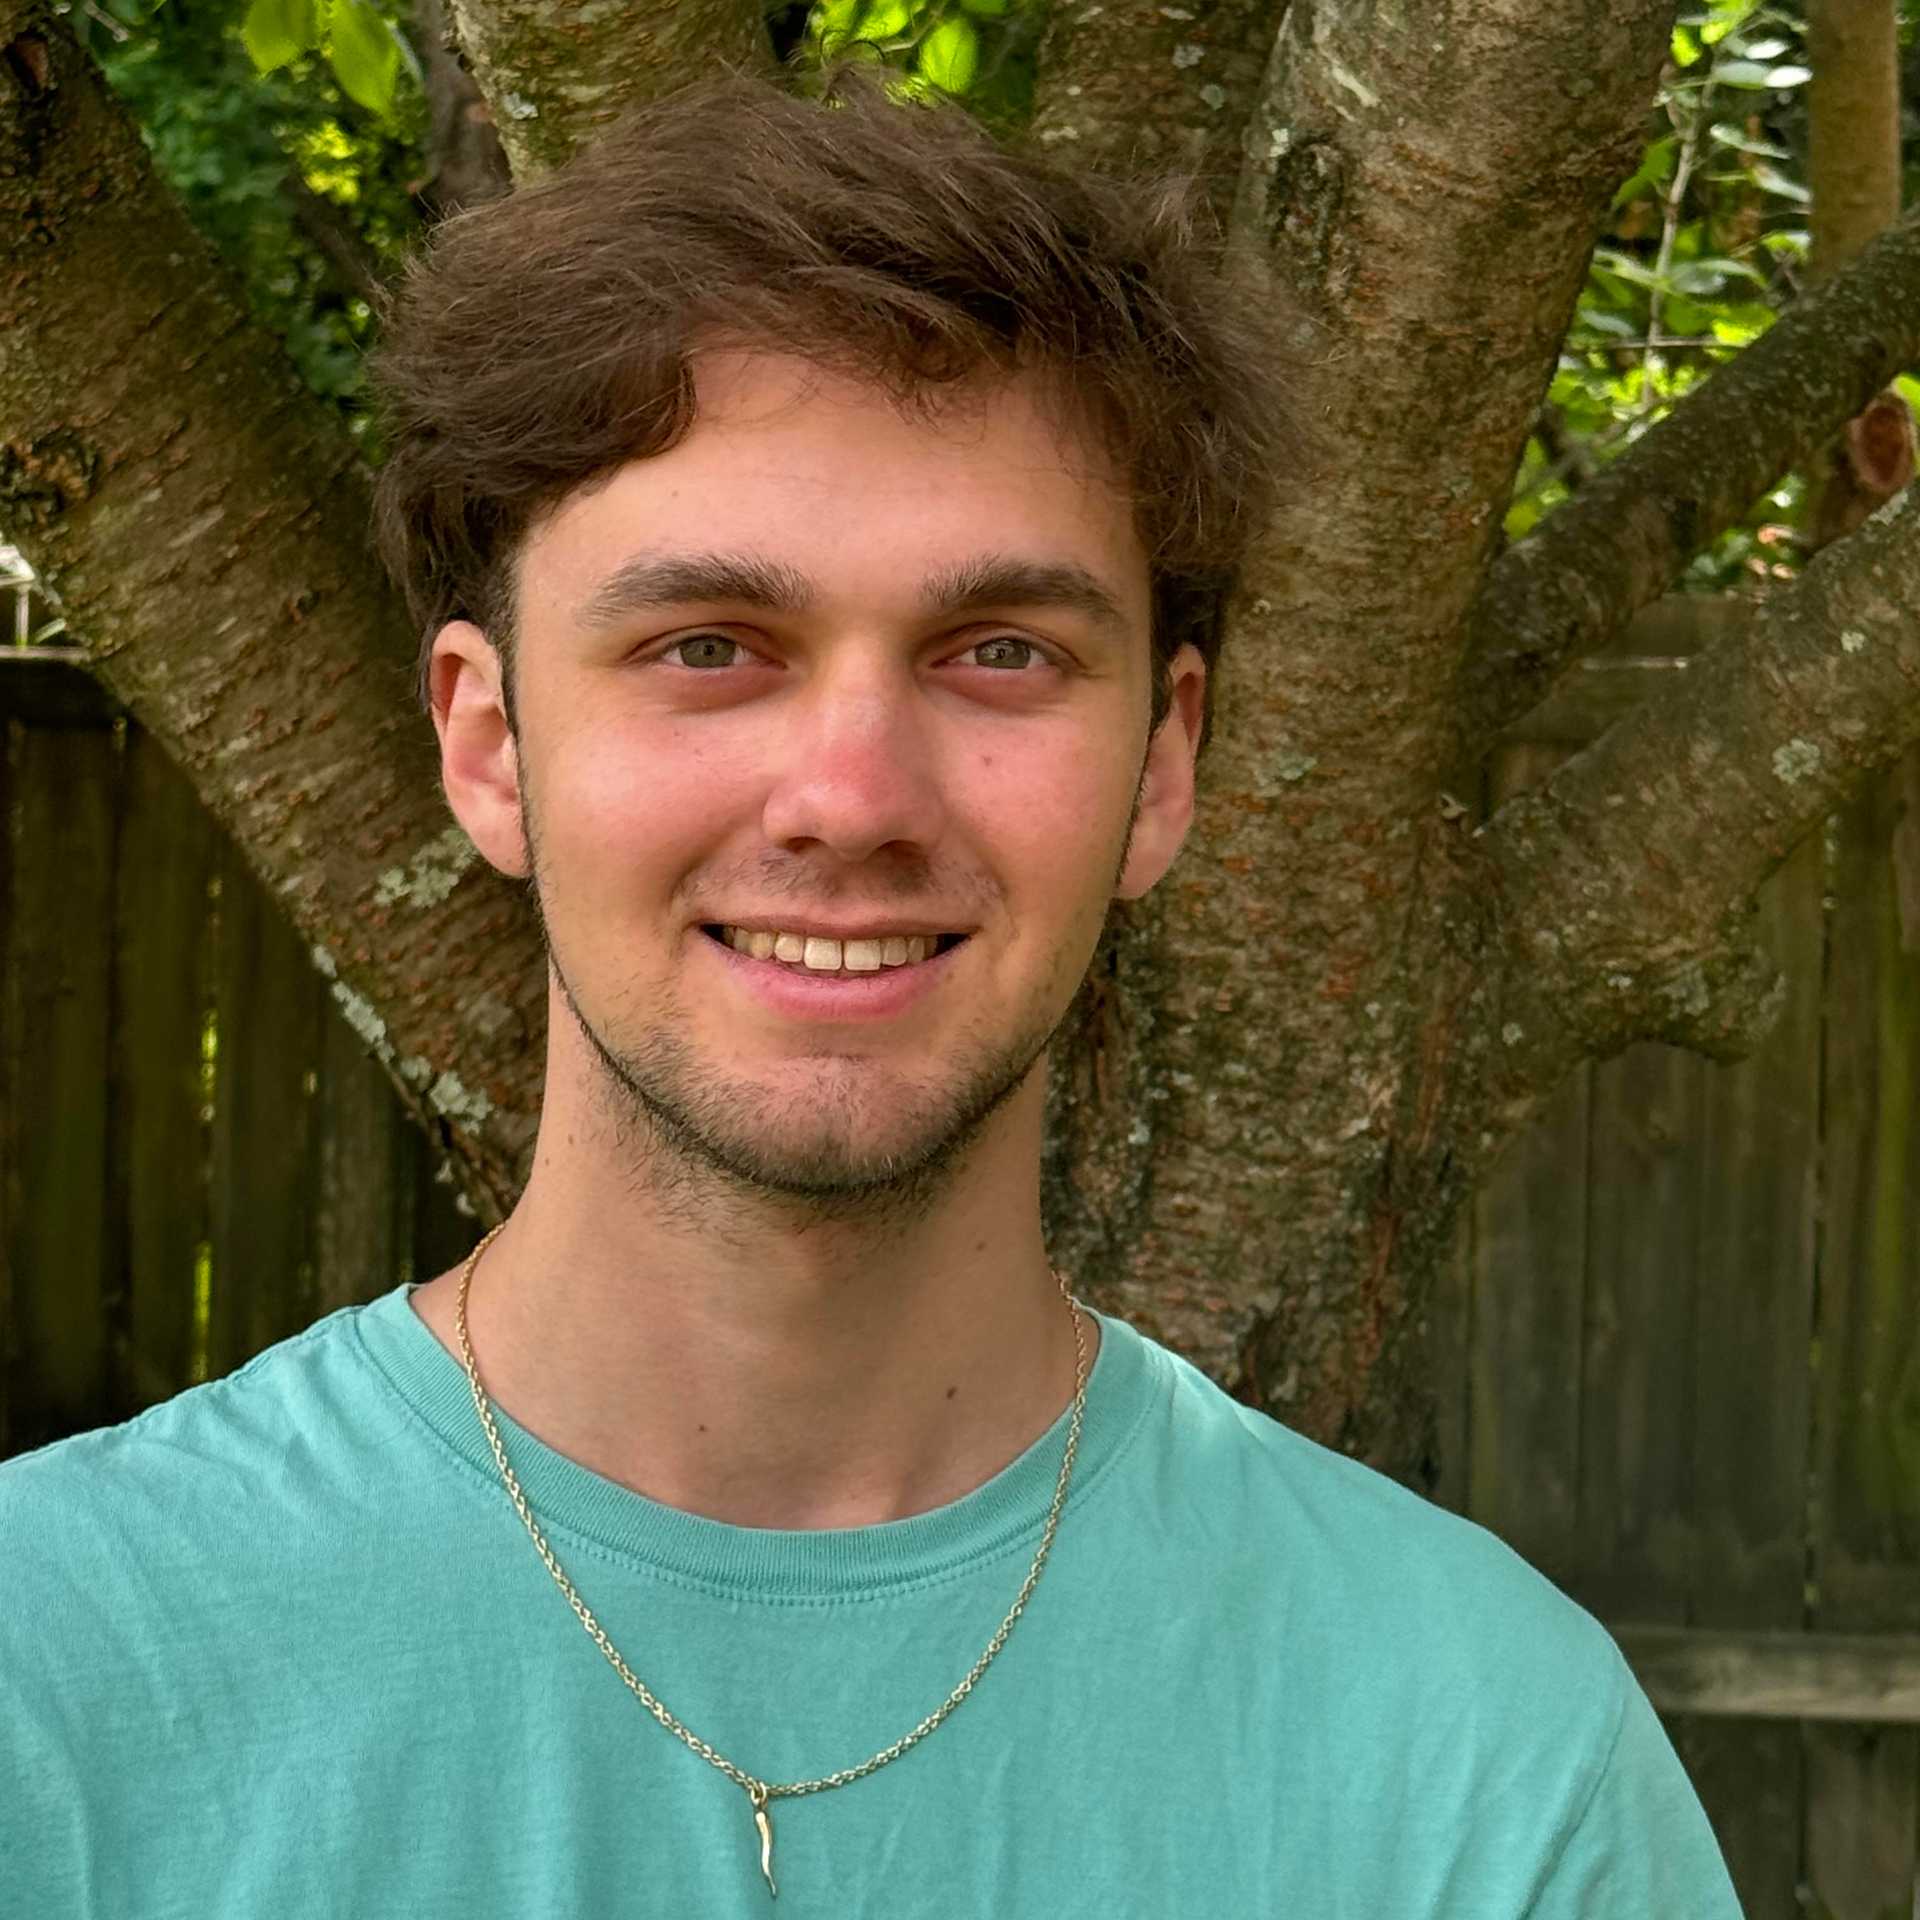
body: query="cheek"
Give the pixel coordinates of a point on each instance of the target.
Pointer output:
(608, 800)
(1054, 812)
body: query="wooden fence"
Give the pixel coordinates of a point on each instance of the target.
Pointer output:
(1678, 1355)
(197, 1157)
(1679, 1364)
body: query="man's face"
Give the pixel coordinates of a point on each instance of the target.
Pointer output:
(872, 685)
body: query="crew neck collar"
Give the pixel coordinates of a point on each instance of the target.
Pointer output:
(1004, 1514)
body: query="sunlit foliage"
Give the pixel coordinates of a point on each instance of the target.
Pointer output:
(1703, 245)
(310, 191)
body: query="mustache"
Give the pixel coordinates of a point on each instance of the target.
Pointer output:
(945, 894)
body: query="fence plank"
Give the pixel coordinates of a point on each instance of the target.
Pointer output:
(1867, 1464)
(362, 1215)
(1449, 1336)
(1529, 1289)
(1643, 1178)
(1869, 1559)
(59, 959)
(269, 1006)
(1752, 1388)
(1860, 1821)
(168, 851)
(1777, 1673)
(1755, 1267)
(310, 1185)
(444, 1229)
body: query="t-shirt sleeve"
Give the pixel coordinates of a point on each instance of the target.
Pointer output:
(1642, 1846)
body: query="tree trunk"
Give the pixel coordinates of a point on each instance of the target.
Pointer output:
(1853, 126)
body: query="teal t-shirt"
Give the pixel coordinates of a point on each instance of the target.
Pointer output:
(281, 1646)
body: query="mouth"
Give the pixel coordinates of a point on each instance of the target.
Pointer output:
(800, 952)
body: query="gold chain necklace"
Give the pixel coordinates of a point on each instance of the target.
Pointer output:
(760, 1792)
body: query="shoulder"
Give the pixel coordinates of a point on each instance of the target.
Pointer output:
(1350, 1560)
(187, 1478)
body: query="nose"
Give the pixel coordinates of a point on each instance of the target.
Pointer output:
(857, 767)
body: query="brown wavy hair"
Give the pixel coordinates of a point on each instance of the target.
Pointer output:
(544, 339)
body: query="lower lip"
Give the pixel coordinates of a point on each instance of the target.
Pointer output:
(799, 995)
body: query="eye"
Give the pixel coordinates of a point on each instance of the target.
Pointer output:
(1007, 651)
(703, 650)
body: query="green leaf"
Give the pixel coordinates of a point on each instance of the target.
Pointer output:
(1685, 316)
(1728, 135)
(1617, 325)
(1626, 267)
(364, 55)
(1722, 18)
(1762, 79)
(1747, 320)
(1686, 49)
(950, 55)
(276, 31)
(1655, 170)
(1711, 272)
(990, 8)
(1774, 181)
(883, 21)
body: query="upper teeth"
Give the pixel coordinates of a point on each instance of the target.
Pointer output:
(831, 956)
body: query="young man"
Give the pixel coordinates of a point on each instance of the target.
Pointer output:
(818, 522)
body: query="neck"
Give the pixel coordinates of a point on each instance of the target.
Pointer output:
(775, 1375)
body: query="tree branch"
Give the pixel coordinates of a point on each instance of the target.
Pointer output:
(1624, 882)
(202, 520)
(466, 163)
(1619, 543)
(1165, 88)
(553, 76)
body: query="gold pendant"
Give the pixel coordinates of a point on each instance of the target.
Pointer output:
(758, 1795)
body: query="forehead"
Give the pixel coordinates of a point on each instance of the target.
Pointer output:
(822, 471)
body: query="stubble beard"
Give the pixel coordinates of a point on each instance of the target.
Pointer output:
(699, 1135)
(703, 1143)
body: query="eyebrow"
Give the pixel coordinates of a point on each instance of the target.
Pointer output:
(650, 581)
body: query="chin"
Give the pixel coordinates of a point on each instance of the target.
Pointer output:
(839, 1136)
(838, 1128)
(849, 1143)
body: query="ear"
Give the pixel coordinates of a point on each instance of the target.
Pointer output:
(1166, 790)
(479, 758)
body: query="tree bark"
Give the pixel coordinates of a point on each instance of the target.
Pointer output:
(1627, 878)
(554, 76)
(1246, 1152)
(1621, 541)
(1853, 126)
(202, 523)
(1127, 84)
